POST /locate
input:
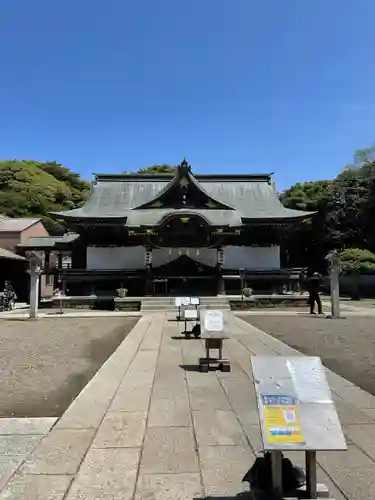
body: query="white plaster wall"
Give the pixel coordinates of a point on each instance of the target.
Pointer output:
(251, 257)
(161, 256)
(109, 258)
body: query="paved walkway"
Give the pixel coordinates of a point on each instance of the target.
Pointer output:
(18, 437)
(149, 427)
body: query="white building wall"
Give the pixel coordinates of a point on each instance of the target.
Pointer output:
(110, 258)
(206, 256)
(251, 257)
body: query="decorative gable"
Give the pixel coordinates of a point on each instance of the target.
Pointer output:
(184, 191)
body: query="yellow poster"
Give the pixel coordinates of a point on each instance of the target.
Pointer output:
(282, 424)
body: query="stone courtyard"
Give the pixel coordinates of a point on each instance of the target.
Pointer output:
(149, 426)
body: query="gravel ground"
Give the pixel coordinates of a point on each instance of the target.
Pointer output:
(45, 364)
(346, 346)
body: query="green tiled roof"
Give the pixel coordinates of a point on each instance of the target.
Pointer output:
(248, 198)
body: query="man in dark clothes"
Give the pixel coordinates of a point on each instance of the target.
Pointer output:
(313, 287)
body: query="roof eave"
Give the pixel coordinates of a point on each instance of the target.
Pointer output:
(281, 219)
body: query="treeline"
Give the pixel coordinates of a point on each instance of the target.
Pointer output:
(345, 215)
(33, 189)
(344, 206)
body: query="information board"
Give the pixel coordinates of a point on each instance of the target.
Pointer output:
(296, 409)
(190, 314)
(182, 301)
(213, 322)
(281, 419)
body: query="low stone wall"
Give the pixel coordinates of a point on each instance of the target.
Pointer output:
(349, 285)
(263, 302)
(126, 304)
(84, 302)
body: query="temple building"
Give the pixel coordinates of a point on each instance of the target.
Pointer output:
(174, 234)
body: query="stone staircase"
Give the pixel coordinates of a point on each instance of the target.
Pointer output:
(166, 304)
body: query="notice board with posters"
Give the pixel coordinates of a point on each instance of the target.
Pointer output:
(296, 409)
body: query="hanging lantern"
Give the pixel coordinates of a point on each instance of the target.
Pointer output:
(148, 258)
(220, 257)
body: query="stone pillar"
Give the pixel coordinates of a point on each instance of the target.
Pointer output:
(35, 272)
(34, 295)
(334, 274)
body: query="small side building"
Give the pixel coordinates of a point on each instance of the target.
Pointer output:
(13, 233)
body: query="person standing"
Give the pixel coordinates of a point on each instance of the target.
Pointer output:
(9, 295)
(313, 286)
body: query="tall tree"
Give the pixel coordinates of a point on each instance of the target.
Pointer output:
(34, 189)
(158, 169)
(309, 242)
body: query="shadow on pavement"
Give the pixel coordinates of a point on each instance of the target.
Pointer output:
(183, 337)
(247, 495)
(195, 368)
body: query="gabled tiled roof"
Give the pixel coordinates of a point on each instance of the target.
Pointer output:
(248, 198)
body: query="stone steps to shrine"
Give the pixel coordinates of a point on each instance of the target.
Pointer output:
(167, 304)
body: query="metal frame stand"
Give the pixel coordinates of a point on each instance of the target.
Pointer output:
(221, 363)
(311, 484)
(311, 477)
(277, 478)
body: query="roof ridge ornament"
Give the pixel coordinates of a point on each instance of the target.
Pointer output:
(184, 168)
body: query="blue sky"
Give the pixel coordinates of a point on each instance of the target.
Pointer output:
(236, 86)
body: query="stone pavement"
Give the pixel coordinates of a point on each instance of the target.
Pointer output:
(18, 437)
(148, 426)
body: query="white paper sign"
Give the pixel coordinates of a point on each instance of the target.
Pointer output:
(309, 380)
(191, 314)
(194, 300)
(213, 321)
(181, 301)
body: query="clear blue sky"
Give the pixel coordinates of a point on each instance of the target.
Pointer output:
(286, 86)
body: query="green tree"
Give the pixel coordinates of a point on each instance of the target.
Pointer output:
(158, 169)
(354, 262)
(309, 242)
(34, 189)
(361, 157)
(345, 210)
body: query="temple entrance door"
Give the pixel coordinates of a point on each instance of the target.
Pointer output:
(188, 277)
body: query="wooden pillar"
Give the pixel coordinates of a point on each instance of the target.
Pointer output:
(47, 260)
(219, 270)
(148, 264)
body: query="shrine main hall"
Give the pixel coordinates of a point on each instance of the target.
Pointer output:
(173, 234)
